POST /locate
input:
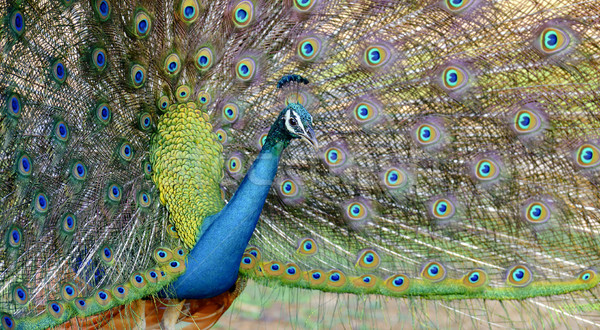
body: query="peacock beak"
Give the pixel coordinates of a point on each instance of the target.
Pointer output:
(310, 138)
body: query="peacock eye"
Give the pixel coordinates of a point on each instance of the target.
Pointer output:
(293, 121)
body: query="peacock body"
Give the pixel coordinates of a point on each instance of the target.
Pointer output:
(458, 154)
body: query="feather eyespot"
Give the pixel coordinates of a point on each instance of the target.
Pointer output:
(147, 168)
(394, 178)
(527, 121)
(24, 165)
(99, 59)
(307, 247)
(554, 40)
(245, 69)
(365, 281)
(315, 277)
(427, 134)
(102, 8)
(61, 131)
(145, 121)
(120, 292)
(79, 171)
(103, 114)
(442, 209)
(68, 223)
(126, 152)
(14, 106)
(163, 103)
(204, 98)
(588, 155)
(537, 212)
(336, 278)
(475, 278)
(433, 271)
(59, 72)
(172, 64)
(365, 112)
(68, 292)
(190, 11)
(356, 211)
(142, 24)
(376, 56)
(243, 13)
(519, 276)
(17, 23)
(56, 309)
(15, 237)
(20, 295)
(41, 203)
(138, 75)
(248, 261)
(204, 59)
(368, 259)
(457, 6)
(106, 255)
(144, 199)
(304, 6)
(587, 276)
(486, 170)
(221, 135)
(138, 280)
(234, 165)
(309, 48)
(335, 157)
(397, 283)
(183, 93)
(254, 251)
(230, 112)
(454, 77)
(114, 193)
(288, 188)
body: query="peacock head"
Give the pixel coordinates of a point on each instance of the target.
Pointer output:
(296, 123)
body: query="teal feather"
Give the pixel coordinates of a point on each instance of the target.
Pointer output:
(456, 164)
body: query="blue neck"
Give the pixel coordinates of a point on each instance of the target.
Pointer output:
(213, 264)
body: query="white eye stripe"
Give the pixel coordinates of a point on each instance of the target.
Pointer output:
(288, 116)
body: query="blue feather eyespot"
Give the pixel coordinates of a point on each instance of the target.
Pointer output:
(376, 56)
(304, 6)
(176, 267)
(103, 114)
(163, 103)
(14, 106)
(365, 112)
(20, 295)
(126, 152)
(486, 170)
(245, 69)
(99, 59)
(59, 72)
(106, 255)
(336, 278)
(204, 98)
(183, 93)
(475, 279)
(17, 23)
(145, 121)
(68, 292)
(204, 59)
(61, 131)
(147, 168)
(102, 8)
(367, 259)
(262, 138)
(433, 271)
(138, 281)
(7, 322)
(221, 135)
(142, 24)
(68, 223)
(537, 212)
(56, 309)
(356, 211)
(40, 203)
(172, 64)
(527, 121)
(189, 11)
(144, 199)
(248, 261)
(427, 134)
(397, 283)
(15, 237)
(587, 276)
(365, 281)
(442, 209)
(309, 48)
(291, 270)
(519, 276)
(554, 40)
(316, 277)
(454, 77)
(588, 155)
(24, 165)
(243, 13)
(394, 178)
(137, 75)
(234, 165)
(457, 6)
(152, 276)
(103, 298)
(288, 188)
(114, 193)
(162, 255)
(335, 157)
(230, 112)
(120, 292)
(79, 171)
(254, 251)
(307, 247)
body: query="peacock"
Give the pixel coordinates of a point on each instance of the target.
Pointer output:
(157, 155)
